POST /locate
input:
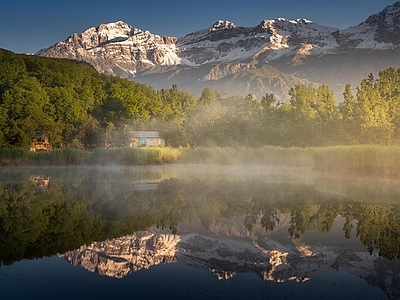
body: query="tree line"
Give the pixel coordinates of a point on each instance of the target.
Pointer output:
(78, 107)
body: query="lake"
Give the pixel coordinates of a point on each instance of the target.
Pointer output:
(197, 232)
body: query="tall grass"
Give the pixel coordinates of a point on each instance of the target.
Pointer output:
(22, 156)
(375, 160)
(71, 156)
(14, 156)
(135, 156)
(266, 155)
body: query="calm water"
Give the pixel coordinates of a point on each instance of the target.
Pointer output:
(197, 232)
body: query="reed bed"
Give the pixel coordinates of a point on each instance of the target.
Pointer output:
(14, 156)
(71, 156)
(135, 156)
(22, 156)
(375, 160)
(371, 160)
(265, 155)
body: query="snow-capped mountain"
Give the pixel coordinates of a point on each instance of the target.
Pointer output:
(116, 48)
(270, 57)
(224, 42)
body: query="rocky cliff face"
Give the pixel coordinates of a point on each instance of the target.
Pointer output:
(115, 48)
(386, 25)
(226, 55)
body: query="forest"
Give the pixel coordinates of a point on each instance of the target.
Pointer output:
(79, 108)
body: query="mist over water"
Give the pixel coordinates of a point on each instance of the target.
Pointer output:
(243, 231)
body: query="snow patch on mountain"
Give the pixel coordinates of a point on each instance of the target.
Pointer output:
(364, 37)
(225, 42)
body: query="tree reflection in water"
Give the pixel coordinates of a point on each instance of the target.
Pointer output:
(82, 205)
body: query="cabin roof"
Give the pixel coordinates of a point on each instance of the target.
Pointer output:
(39, 134)
(145, 134)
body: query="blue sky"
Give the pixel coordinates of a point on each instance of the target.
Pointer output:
(30, 25)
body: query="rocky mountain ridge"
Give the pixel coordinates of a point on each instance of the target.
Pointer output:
(269, 57)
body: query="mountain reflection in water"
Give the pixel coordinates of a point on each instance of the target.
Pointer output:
(228, 221)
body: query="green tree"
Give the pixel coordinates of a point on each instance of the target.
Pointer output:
(28, 110)
(268, 102)
(207, 96)
(12, 67)
(388, 86)
(373, 113)
(326, 105)
(304, 99)
(303, 116)
(350, 126)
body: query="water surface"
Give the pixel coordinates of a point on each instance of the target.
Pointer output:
(197, 232)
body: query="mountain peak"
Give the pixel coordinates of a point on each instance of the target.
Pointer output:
(115, 31)
(303, 21)
(283, 23)
(117, 24)
(222, 24)
(390, 16)
(381, 30)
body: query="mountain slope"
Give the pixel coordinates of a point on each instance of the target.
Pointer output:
(269, 57)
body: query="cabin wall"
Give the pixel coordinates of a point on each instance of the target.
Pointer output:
(146, 142)
(155, 142)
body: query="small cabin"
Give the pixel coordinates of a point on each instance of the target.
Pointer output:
(40, 181)
(145, 139)
(40, 142)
